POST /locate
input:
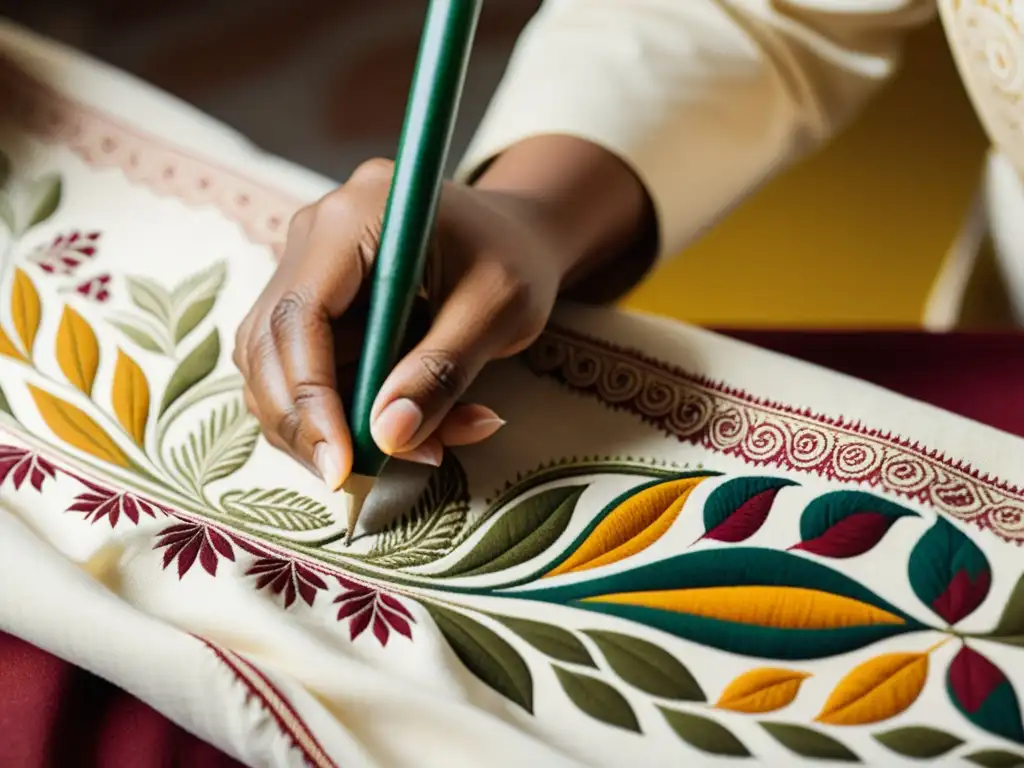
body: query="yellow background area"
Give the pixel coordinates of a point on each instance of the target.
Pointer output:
(852, 237)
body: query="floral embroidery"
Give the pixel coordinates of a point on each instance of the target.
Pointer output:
(364, 606)
(185, 542)
(98, 503)
(23, 464)
(66, 253)
(95, 289)
(287, 578)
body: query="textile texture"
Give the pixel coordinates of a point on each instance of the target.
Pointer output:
(679, 547)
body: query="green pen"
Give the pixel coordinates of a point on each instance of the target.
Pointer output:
(408, 224)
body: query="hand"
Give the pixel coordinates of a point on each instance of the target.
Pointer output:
(493, 280)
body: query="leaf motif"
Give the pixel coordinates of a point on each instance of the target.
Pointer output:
(78, 351)
(646, 666)
(948, 572)
(199, 364)
(45, 193)
(496, 663)
(876, 690)
(25, 309)
(151, 297)
(984, 695)
(558, 643)
(5, 404)
(521, 533)
(598, 699)
(1010, 629)
(76, 428)
(277, 508)
(704, 734)
(809, 743)
(995, 758)
(629, 525)
(918, 741)
(747, 600)
(738, 508)
(131, 397)
(762, 690)
(7, 348)
(140, 336)
(845, 524)
(219, 446)
(192, 300)
(427, 531)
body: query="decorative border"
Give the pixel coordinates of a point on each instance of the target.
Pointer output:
(763, 433)
(276, 703)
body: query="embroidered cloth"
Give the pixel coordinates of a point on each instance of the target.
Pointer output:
(680, 547)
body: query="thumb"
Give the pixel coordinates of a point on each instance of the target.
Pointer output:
(427, 383)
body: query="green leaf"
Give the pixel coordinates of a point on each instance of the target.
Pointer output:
(995, 758)
(1010, 629)
(948, 572)
(844, 524)
(45, 194)
(426, 532)
(192, 300)
(704, 734)
(738, 508)
(486, 655)
(808, 742)
(558, 643)
(918, 741)
(597, 699)
(646, 666)
(219, 446)
(151, 297)
(521, 533)
(199, 364)
(280, 508)
(140, 336)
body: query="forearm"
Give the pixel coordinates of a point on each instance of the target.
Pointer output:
(589, 202)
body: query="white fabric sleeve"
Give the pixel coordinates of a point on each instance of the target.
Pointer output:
(704, 99)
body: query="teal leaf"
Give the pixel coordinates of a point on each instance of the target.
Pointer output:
(735, 568)
(427, 531)
(1010, 629)
(140, 336)
(150, 297)
(218, 446)
(521, 533)
(598, 699)
(948, 572)
(704, 734)
(192, 300)
(646, 666)
(809, 743)
(995, 758)
(918, 741)
(280, 508)
(492, 660)
(44, 194)
(845, 524)
(199, 364)
(984, 695)
(558, 643)
(738, 508)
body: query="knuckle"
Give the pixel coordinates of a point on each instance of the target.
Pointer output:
(334, 207)
(302, 219)
(373, 171)
(288, 425)
(289, 312)
(444, 372)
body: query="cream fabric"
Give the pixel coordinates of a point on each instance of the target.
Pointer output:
(679, 550)
(706, 99)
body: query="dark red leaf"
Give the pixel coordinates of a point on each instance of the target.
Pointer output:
(360, 622)
(188, 555)
(746, 520)
(380, 630)
(350, 608)
(221, 544)
(310, 577)
(265, 565)
(394, 604)
(308, 592)
(962, 595)
(130, 508)
(973, 678)
(21, 472)
(248, 546)
(400, 625)
(208, 557)
(852, 536)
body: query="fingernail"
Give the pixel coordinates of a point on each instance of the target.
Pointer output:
(328, 466)
(429, 453)
(469, 424)
(397, 425)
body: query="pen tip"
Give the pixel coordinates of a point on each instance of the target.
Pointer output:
(356, 488)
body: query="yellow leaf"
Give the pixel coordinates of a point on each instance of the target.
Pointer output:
(779, 607)
(78, 352)
(75, 427)
(25, 309)
(761, 690)
(131, 397)
(878, 689)
(631, 527)
(7, 348)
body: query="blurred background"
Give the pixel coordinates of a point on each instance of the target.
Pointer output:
(851, 238)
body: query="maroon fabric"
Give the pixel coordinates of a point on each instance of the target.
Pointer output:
(53, 714)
